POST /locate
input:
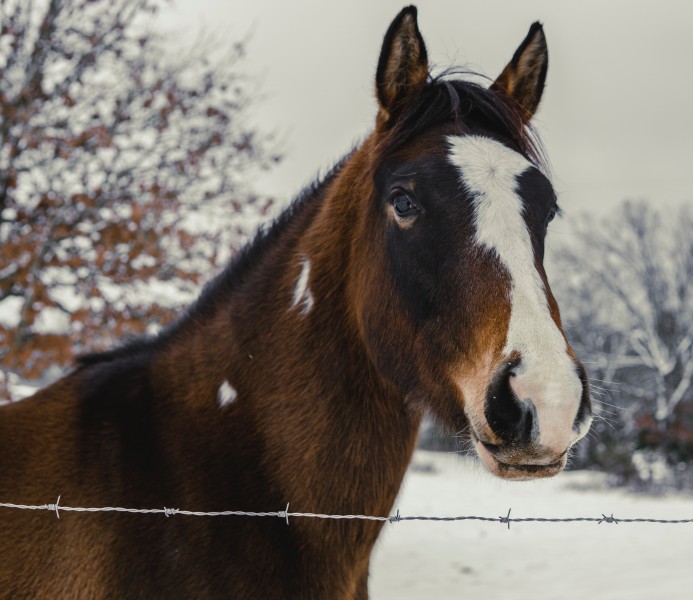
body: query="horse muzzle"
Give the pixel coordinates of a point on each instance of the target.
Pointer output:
(530, 419)
(519, 462)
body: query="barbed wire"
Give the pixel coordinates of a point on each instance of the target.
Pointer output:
(285, 514)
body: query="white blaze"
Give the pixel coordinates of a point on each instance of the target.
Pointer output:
(226, 394)
(303, 297)
(547, 375)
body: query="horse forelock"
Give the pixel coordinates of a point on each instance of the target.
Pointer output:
(466, 106)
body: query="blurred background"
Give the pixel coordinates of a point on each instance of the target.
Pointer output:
(143, 141)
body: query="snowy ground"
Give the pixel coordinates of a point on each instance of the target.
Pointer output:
(537, 561)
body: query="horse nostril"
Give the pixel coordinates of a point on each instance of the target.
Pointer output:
(511, 418)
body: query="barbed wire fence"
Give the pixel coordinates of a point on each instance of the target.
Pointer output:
(286, 514)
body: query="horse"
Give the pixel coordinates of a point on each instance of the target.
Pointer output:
(409, 280)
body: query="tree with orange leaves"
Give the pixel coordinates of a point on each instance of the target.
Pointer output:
(122, 173)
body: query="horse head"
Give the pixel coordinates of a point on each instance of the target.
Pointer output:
(451, 294)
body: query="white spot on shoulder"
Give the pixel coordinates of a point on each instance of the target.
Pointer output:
(226, 394)
(303, 297)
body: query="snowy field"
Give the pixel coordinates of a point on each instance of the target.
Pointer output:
(537, 561)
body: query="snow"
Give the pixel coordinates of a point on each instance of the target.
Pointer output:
(10, 311)
(470, 559)
(51, 321)
(67, 296)
(17, 389)
(172, 293)
(66, 276)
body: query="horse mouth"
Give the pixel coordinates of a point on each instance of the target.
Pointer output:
(518, 469)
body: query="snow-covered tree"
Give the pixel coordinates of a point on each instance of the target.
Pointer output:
(124, 162)
(628, 302)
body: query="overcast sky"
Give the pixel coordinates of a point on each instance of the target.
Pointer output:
(616, 118)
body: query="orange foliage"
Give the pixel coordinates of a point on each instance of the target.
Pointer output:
(97, 177)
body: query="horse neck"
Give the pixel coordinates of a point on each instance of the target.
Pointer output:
(332, 435)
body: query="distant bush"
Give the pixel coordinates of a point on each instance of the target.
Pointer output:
(625, 287)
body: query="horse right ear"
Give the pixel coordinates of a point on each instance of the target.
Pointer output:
(522, 80)
(402, 67)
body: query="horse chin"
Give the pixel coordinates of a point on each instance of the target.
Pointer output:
(518, 471)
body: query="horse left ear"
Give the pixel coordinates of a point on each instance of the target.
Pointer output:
(523, 78)
(403, 64)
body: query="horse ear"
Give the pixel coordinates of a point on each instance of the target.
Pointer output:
(523, 78)
(403, 64)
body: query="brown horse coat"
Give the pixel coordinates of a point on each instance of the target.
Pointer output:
(302, 373)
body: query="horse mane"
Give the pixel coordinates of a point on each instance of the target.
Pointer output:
(222, 285)
(451, 97)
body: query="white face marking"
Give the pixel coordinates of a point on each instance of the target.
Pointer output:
(303, 297)
(547, 374)
(226, 394)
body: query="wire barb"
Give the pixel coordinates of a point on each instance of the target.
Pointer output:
(506, 518)
(284, 513)
(606, 519)
(395, 518)
(55, 507)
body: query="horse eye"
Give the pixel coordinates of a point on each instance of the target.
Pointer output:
(404, 206)
(550, 216)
